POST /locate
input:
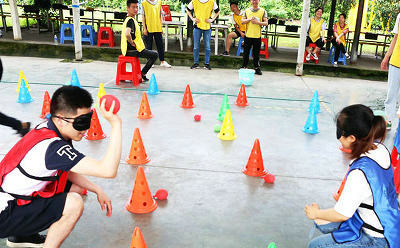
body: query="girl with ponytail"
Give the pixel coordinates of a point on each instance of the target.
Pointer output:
(367, 213)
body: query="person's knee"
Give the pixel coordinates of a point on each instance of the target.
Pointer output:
(154, 55)
(73, 205)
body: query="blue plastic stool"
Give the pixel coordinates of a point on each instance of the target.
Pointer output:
(240, 49)
(341, 59)
(64, 37)
(91, 36)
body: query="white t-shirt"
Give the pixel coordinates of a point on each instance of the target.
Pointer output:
(190, 5)
(357, 191)
(396, 26)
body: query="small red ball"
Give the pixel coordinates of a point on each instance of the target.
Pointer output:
(109, 99)
(161, 194)
(197, 117)
(269, 178)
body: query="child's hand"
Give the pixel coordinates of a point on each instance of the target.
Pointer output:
(311, 211)
(209, 20)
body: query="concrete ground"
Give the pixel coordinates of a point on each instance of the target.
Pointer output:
(211, 202)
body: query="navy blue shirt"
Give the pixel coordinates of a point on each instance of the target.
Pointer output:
(60, 154)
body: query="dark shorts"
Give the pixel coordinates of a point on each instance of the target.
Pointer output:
(237, 33)
(319, 42)
(32, 218)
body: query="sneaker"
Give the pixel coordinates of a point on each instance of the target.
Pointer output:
(388, 125)
(35, 240)
(258, 71)
(25, 128)
(195, 66)
(335, 64)
(347, 55)
(144, 79)
(225, 53)
(207, 66)
(308, 57)
(165, 64)
(314, 56)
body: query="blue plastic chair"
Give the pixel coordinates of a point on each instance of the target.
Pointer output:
(341, 59)
(240, 48)
(64, 37)
(90, 38)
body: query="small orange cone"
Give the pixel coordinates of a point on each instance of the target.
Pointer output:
(46, 105)
(241, 99)
(95, 131)
(137, 239)
(141, 201)
(144, 109)
(187, 101)
(137, 155)
(255, 165)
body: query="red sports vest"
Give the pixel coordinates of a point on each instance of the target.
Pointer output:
(14, 157)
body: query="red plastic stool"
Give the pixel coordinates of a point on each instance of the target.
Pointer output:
(101, 39)
(312, 47)
(135, 75)
(265, 51)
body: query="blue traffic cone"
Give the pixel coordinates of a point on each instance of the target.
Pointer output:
(311, 125)
(314, 104)
(153, 87)
(24, 95)
(74, 79)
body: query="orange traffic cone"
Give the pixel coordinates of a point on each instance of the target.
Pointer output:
(137, 239)
(255, 165)
(144, 109)
(95, 131)
(187, 101)
(141, 201)
(137, 155)
(241, 99)
(46, 105)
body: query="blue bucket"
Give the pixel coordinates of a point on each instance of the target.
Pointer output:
(246, 76)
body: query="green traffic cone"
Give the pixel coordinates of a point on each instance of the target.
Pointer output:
(224, 107)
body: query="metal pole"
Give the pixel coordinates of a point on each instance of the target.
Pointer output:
(77, 29)
(15, 20)
(356, 40)
(303, 36)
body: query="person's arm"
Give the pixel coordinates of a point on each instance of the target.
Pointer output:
(313, 212)
(385, 61)
(323, 32)
(83, 182)
(129, 37)
(213, 19)
(195, 20)
(245, 20)
(145, 32)
(107, 167)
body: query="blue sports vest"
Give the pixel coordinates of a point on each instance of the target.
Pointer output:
(385, 205)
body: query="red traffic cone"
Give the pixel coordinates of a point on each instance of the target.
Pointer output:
(255, 165)
(95, 131)
(46, 105)
(241, 99)
(187, 101)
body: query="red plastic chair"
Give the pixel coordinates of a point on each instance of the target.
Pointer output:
(312, 46)
(166, 13)
(265, 51)
(101, 39)
(135, 75)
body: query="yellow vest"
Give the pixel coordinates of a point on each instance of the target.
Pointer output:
(254, 30)
(340, 31)
(202, 11)
(315, 29)
(238, 21)
(153, 18)
(138, 37)
(395, 59)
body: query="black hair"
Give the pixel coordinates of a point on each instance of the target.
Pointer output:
(233, 2)
(128, 2)
(359, 120)
(68, 99)
(319, 8)
(344, 15)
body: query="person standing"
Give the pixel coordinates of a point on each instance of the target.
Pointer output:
(152, 28)
(202, 27)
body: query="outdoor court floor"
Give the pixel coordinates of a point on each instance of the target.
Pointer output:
(211, 202)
